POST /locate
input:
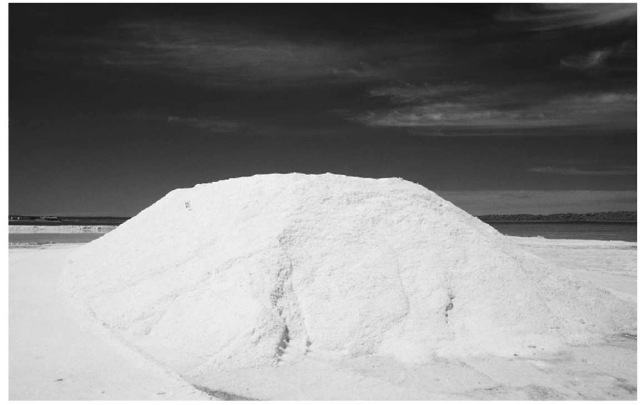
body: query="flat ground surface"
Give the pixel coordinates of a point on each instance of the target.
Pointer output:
(54, 355)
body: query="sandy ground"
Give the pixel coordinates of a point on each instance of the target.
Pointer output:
(54, 355)
(608, 264)
(30, 229)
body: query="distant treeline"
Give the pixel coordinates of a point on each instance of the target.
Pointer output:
(611, 216)
(56, 220)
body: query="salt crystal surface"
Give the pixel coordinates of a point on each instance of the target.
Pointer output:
(231, 274)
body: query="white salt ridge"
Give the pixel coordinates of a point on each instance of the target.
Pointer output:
(231, 274)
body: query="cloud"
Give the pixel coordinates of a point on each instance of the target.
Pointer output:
(213, 124)
(554, 16)
(449, 114)
(221, 55)
(244, 53)
(486, 202)
(412, 93)
(208, 124)
(573, 171)
(620, 57)
(441, 115)
(481, 108)
(591, 60)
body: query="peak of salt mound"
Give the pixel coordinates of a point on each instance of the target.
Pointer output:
(229, 274)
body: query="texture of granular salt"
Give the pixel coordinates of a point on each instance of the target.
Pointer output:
(230, 274)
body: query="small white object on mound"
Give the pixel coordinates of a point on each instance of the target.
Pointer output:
(225, 275)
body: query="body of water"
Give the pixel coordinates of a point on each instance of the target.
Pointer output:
(579, 230)
(597, 231)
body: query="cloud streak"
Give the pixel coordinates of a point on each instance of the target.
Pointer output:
(478, 107)
(551, 16)
(424, 93)
(591, 60)
(620, 57)
(573, 171)
(221, 55)
(214, 125)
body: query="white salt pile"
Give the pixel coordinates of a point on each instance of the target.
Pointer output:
(226, 275)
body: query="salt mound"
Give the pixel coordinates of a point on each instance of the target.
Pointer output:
(229, 274)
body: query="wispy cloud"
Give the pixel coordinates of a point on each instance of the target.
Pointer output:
(619, 57)
(423, 93)
(209, 123)
(553, 16)
(445, 115)
(227, 55)
(215, 125)
(591, 60)
(477, 107)
(573, 171)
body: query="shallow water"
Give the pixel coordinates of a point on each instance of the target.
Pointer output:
(594, 231)
(583, 230)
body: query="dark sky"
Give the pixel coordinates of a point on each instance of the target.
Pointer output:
(499, 108)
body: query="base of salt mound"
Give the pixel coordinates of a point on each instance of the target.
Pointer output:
(231, 274)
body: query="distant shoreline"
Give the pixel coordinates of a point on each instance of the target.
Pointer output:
(610, 217)
(557, 222)
(65, 221)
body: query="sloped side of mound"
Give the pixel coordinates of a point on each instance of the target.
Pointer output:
(230, 274)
